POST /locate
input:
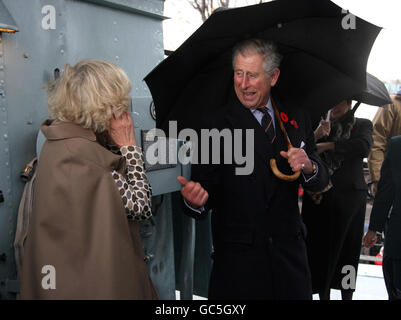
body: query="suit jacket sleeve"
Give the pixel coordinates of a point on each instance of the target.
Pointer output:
(321, 180)
(384, 197)
(360, 142)
(209, 177)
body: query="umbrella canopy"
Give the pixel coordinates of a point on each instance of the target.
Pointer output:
(375, 94)
(324, 62)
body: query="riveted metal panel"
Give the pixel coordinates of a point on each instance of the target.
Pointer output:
(150, 8)
(6, 213)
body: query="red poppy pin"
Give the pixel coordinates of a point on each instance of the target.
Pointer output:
(285, 119)
(294, 123)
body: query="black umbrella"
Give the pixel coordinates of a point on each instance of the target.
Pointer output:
(324, 62)
(375, 94)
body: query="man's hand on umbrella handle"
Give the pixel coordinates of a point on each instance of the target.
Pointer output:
(193, 192)
(298, 160)
(369, 239)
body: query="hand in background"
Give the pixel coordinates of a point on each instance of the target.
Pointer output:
(122, 130)
(369, 239)
(323, 130)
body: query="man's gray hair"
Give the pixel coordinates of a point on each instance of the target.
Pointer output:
(268, 49)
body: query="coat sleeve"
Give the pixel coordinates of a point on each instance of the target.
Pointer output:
(209, 178)
(208, 175)
(134, 187)
(384, 197)
(382, 124)
(321, 180)
(359, 144)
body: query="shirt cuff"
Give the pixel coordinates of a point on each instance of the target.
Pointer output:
(200, 210)
(312, 177)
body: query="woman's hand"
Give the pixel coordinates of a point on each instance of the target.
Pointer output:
(323, 130)
(122, 130)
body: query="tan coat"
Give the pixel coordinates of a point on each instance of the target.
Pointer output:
(79, 225)
(386, 124)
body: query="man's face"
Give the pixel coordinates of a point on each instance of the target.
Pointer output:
(251, 83)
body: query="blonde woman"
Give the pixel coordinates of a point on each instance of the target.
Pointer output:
(83, 240)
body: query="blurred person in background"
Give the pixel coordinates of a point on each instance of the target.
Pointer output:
(335, 218)
(386, 216)
(386, 124)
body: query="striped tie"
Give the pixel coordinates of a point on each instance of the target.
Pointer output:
(267, 125)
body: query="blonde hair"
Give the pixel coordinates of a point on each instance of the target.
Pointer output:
(89, 93)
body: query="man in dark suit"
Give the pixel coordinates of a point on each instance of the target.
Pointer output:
(258, 235)
(388, 200)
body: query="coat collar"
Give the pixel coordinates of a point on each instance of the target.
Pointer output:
(98, 154)
(65, 130)
(241, 117)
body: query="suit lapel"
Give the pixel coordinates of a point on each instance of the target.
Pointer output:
(240, 117)
(290, 124)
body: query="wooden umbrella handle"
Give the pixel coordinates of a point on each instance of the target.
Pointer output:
(281, 175)
(273, 163)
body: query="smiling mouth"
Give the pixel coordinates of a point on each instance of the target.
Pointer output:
(248, 94)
